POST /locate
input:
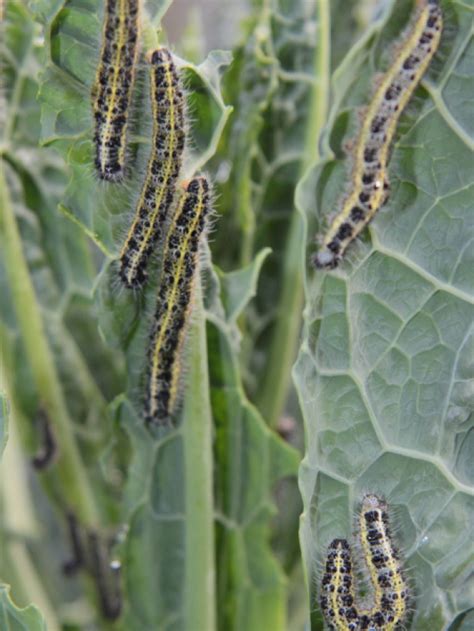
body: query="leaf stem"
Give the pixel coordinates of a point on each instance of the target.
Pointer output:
(200, 608)
(288, 323)
(71, 472)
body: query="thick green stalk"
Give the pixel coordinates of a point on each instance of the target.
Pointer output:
(200, 608)
(288, 323)
(70, 469)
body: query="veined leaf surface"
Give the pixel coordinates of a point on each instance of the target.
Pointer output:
(385, 371)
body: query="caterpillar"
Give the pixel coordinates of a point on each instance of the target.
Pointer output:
(338, 602)
(180, 263)
(113, 86)
(164, 166)
(369, 179)
(381, 557)
(337, 591)
(48, 450)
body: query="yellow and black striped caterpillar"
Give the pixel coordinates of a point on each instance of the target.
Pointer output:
(389, 587)
(180, 265)
(164, 166)
(369, 179)
(113, 86)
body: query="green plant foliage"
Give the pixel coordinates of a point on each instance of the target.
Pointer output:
(387, 345)
(14, 619)
(148, 478)
(203, 516)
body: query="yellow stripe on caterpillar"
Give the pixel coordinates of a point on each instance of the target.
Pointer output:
(113, 86)
(369, 178)
(175, 295)
(164, 166)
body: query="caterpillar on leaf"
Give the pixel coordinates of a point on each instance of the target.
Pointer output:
(389, 602)
(174, 304)
(113, 86)
(370, 155)
(164, 166)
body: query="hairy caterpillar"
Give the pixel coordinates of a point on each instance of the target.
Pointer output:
(381, 557)
(113, 85)
(163, 169)
(337, 591)
(369, 179)
(390, 590)
(180, 262)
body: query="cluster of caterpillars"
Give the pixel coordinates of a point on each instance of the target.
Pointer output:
(161, 214)
(369, 178)
(113, 86)
(164, 166)
(338, 601)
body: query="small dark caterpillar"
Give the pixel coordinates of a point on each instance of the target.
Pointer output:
(105, 576)
(180, 263)
(390, 589)
(76, 562)
(48, 450)
(369, 188)
(113, 85)
(163, 169)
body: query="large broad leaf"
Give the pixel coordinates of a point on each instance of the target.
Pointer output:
(383, 373)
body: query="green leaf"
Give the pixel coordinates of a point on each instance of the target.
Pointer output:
(250, 459)
(240, 286)
(384, 367)
(14, 619)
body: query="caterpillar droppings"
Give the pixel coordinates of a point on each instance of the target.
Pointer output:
(113, 85)
(337, 590)
(369, 179)
(390, 590)
(164, 166)
(180, 263)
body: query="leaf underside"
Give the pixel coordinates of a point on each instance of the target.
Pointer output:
(383, 373)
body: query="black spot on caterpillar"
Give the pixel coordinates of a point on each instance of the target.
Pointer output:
(369, 179)
(113, 85)
(180, 263)
(389, 587)
(163, 169)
